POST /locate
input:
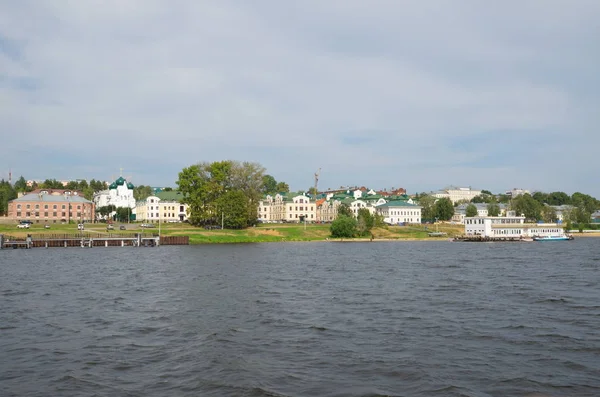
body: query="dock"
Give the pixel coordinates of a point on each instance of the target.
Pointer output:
(89, 240)
(488, 239)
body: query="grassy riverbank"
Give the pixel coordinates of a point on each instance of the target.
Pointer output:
(259, 234)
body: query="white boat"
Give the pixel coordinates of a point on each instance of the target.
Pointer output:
(562, 237)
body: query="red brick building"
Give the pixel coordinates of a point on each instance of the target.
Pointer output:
(52, 206)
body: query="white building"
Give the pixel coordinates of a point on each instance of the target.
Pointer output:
(395, 212)
(165, 206)
(456, 194)
(517, 192)
(119, 194)
(508, 227)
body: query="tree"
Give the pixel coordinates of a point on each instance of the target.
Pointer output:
(7, 193)
(427, 204)
(444, 210)
(487, 192)
(202, 185)
(471, 210)
(269, 185)
(282, 187)
(344, 210)
(311, 190)
(343, 227)
(233, 206)
(168, 189)
(549, 214)
(21, 185)
(123, 214)
(142, 192)
(493, 209)
(72, 185)
(365, 222)
(558, 198)
(526, 205)
(503, 198)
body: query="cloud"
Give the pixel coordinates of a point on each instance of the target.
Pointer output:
(381, 93)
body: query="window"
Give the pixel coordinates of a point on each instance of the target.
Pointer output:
(28, 214)
(63, 206)
(18, 206)
(78, 207)
(37, 213)
(54, 207)
(19, 213)
(28, 206)
(46, 214)
(46, 206)
(54, 214)
(64, 214)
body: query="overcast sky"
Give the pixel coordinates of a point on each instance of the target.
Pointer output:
(382, 93)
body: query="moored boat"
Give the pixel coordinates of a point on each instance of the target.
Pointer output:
(562, 237)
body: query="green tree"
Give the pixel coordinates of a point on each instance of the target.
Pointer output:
(311, 191)
(203, 184)
(282, 187)
(233, 206)
(72, 185)
(503, 198)
(343, 227)
(21, 185)
(344, 210)
(365, 222)
(444, 210)
(123, 214)
(269, 185)
(558, 198)
(142, 192)
(7, 193)
(427, 204)
(527, 206)
(487, 192)
(549, 214)
(168, 189)
(471, 210)
(493, 209)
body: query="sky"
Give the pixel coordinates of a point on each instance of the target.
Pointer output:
(379, 93)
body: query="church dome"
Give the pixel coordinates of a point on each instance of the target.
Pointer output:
(130, 186)
(120, 181)
(112, 186)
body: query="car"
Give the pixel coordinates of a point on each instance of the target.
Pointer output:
(110, 227)
(23, 225)
(122, 227)
(27, 221)
(80, 226)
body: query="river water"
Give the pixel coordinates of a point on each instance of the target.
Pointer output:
(303, 319)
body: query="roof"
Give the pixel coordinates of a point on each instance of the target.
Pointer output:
(120, 181)
(398, 203)
(51, 198)
(173, 195)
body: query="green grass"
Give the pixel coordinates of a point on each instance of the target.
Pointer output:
(261, 233)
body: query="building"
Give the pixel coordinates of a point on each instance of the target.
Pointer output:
(399, 211)
(52, 206)
(457, 194)
(119, 194)
(460, 211)
(516, 192)
(165, 206)
(508, 227)
(287, 207)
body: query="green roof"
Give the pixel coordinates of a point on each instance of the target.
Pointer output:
(172, 195)
(398, 203)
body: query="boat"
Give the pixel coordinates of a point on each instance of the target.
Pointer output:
(561, 237)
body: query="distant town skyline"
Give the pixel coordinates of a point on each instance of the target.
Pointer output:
(374, 93)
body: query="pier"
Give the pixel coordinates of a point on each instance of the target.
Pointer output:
(89, 240)
(487, 239)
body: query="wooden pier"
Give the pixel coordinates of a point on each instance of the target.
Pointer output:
(89, 240)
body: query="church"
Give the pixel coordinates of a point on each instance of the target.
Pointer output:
(119, 194)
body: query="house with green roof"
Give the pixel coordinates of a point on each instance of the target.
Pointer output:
(164, 206)
(399, 212)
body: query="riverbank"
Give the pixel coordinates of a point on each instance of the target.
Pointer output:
(260, 234)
